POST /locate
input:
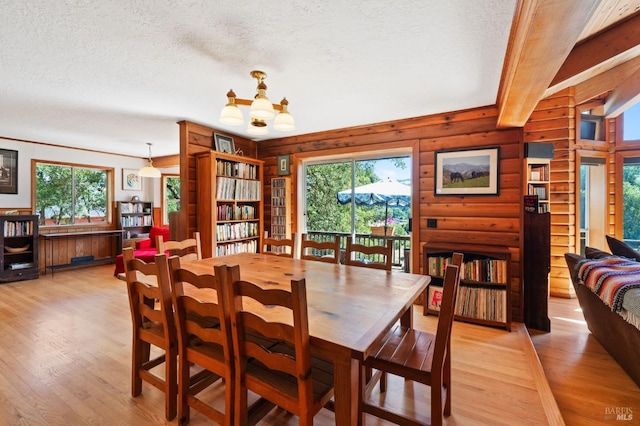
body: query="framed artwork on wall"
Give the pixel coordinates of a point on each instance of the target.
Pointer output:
(8, 171)
(224, 143)
(284, 162)
(467, 172)
(131, 180)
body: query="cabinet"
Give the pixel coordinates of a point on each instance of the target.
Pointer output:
(229, 211)
(484, 295)
(281, 208)
(135, 218)
(537, 175)
(18, 247)
(536, 266)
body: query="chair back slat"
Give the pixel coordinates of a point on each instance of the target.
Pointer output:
(325, 251)
(189, 249)
(285, 247)
(369, 256)
(445, 317)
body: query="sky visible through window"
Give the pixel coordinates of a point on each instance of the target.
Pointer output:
(631, 129)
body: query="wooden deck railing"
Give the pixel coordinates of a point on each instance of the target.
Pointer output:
(401, 244)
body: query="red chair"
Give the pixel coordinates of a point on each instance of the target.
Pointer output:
(145, 249)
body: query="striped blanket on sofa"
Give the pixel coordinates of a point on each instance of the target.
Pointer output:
(610, 278)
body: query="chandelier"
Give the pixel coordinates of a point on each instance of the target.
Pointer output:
(261, 110)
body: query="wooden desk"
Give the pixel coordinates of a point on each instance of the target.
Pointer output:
(350, 309)
(84, 260)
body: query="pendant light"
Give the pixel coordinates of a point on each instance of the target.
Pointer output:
(149, 170)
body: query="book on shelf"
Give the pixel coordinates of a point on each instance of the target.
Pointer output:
(531, 203)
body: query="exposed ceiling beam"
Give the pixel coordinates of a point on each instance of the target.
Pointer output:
(543, 34)
(605, 81)
(623, 97)
(601, 52)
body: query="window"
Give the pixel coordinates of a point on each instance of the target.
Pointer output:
(631, 203)
(68, 194)
(171, 196)
(631, 123)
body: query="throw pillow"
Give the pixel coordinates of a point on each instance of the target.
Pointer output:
(620, 248)
(594, 253)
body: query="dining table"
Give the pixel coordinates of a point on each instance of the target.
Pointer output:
(350, 309)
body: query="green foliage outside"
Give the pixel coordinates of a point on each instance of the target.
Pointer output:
(631, 196)
(325, 214)
(68, 195)
(172, 195)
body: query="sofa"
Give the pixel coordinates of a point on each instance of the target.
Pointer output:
(145, 249)
(607, 286)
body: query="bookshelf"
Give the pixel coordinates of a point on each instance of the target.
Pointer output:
(18, 247)
(537, 176)
(135, 218)
(280, 208)
(230, 210)
(484, 296)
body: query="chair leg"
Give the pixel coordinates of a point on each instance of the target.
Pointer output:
(140, 354)
(436, 403)
(447, 383)
(170, 383)
(184, 413)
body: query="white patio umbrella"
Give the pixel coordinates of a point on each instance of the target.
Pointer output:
(389, 192)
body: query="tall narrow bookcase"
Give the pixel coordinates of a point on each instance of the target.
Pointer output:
(18, 247)
(537, 175)
(135, 218)
(230, 210)
(280, 209)
(484, 296)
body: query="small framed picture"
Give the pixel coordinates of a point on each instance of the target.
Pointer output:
(284, 163)
(224, 143)
(8, 171)
(131, 180)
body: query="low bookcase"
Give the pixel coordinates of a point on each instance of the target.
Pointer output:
(484, 296)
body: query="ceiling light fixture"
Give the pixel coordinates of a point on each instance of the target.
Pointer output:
(261, 110)
(149, 170)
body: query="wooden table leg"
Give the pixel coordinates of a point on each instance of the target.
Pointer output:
(406, 320)
(346, 388)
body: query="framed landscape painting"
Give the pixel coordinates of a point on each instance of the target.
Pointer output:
(468, 172)
(224, 143)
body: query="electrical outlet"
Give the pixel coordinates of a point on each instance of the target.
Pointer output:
(432, 223)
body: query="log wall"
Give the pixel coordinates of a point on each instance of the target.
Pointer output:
(480, 219)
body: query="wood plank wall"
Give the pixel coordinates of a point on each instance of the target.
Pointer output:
(468, 219)
(553, 120)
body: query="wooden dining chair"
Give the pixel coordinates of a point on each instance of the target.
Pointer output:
(369, 256)
(189, 249)
(419, 356)
(149, 290)
(204, 342)
(287, 374)
(285, 247)
(316, 250)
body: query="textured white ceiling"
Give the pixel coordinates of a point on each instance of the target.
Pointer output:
(117, 74)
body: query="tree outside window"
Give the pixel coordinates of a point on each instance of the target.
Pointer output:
(171, 187)
(71, 195)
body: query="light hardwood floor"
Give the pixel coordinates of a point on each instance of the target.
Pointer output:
(65, 360)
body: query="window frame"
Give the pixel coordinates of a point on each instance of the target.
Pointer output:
(108, 223)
